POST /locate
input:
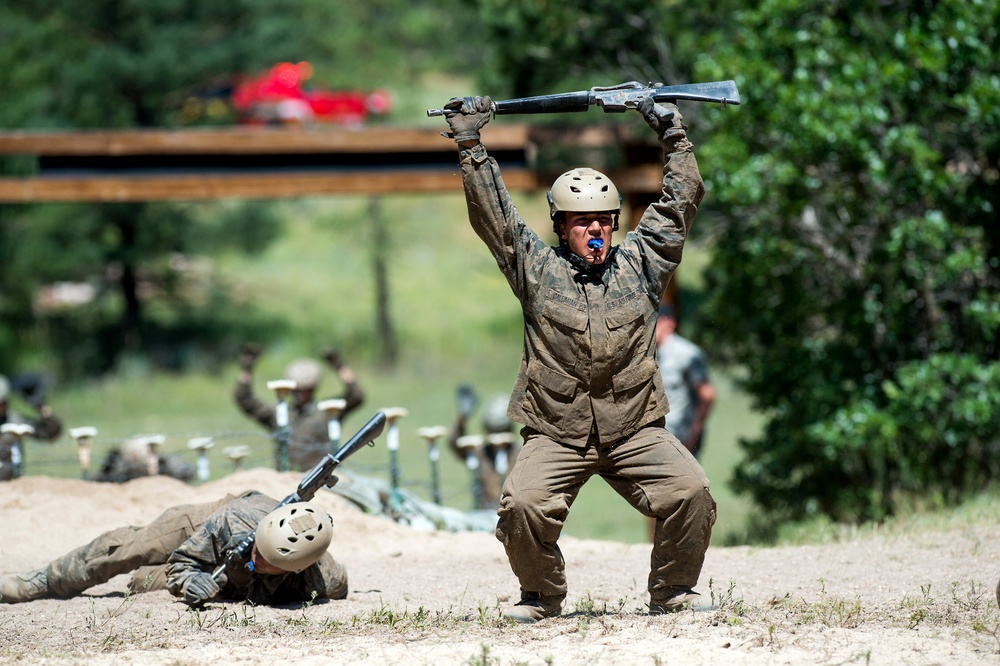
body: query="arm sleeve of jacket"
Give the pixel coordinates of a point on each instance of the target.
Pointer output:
(199, 554)
(328, 578)
(495, 220)
(259, 411)
(212, 541)
(353, 397)
(663, 228)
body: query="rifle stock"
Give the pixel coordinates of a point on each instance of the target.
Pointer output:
(317, 477)
(614, 99)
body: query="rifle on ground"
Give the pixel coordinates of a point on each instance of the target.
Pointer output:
(319, 476)
(614, 99)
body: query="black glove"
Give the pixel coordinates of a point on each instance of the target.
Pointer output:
(199, 588)
(332, 356)
(249, 354)
(664, 119)
(466, 116)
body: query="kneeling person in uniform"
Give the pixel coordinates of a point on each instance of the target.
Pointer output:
(179, 550)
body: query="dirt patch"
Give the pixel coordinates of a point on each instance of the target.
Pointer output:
(435, 598)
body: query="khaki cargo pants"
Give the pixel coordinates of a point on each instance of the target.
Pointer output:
(653, 472)
(141, 550)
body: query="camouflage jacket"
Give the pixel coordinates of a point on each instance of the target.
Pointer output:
(222, 532)
(588, 367)
(46, 428)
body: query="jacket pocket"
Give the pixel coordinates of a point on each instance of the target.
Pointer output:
(627, 309)
(563, 311)
(560, 385)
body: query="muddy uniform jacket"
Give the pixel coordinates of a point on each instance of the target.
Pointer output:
(223, 531)
(310, 436)
(588, 365)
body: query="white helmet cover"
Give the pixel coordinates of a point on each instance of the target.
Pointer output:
(583, 190)
(293, 537)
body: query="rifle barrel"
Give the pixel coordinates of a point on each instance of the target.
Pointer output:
(571, 102)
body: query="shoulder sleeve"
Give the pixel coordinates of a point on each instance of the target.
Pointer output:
(252, 406)
(495, 220)
(664, 226)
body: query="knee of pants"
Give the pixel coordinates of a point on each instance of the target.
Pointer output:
(691, 494)
(533, 506)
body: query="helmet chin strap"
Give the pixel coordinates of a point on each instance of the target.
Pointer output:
(586, 271)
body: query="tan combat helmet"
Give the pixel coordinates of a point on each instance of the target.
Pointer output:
(583, 190)
(305, 372)
(294, 537)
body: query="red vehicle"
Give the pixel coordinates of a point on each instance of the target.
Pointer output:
(280, 97)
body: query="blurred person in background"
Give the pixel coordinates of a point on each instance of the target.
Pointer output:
(310, 434)
(47, 425)
(690, 394)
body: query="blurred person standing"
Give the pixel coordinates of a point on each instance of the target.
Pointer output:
(690, 394)
(309, 429)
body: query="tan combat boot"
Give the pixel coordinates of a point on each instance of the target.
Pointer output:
(679, 599)
(15, 588)
(533, 607)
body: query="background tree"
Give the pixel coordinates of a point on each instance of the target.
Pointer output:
(858, 278)
(545, 47)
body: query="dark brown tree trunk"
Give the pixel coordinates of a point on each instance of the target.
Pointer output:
(384, 329)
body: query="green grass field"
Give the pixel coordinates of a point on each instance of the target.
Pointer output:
(456, 322)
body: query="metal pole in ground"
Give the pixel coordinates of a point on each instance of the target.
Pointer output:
(202, 445)
(17, 431)
(432, 434)
(153, 444)
(392, 416)
(83, 435)
(236, 454)
(501, 443)
(470, 445)
(332, 408)
(282, 390)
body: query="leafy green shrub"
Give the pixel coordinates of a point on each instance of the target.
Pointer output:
(856, 272)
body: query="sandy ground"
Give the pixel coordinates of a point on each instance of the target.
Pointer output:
(435, 598)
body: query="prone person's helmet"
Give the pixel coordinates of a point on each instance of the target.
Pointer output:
(583, 190)
(293, 537)
(305, 372)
